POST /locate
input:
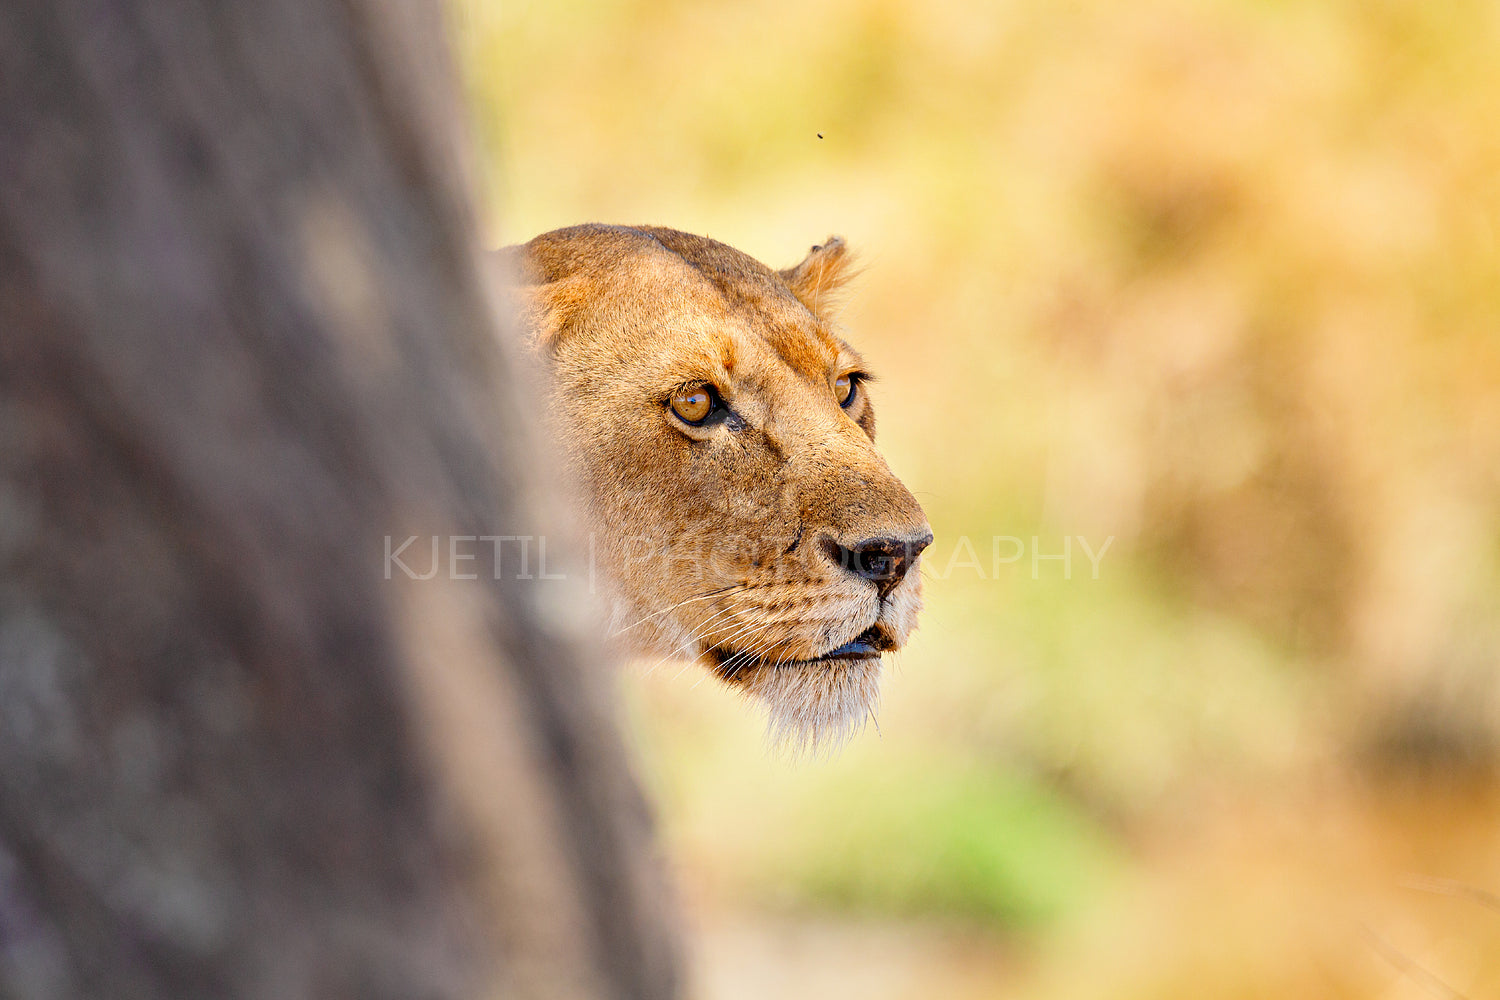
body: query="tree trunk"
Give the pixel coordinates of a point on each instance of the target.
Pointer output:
(244, 345)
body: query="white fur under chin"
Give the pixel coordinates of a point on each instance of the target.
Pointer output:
(816, 710)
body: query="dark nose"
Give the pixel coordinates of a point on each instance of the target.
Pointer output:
(881, 560)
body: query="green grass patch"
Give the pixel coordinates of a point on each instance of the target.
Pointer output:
(950, 838)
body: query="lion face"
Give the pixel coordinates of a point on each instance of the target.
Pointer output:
(723, 437)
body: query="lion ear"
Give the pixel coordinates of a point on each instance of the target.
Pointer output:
(546, 311)
(543, 307)
(817, 280)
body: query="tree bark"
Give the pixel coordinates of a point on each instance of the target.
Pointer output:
(243, 342)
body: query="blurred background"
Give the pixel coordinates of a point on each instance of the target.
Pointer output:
(1218, 281)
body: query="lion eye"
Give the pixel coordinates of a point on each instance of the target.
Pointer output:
(692, 405)
(843, 388)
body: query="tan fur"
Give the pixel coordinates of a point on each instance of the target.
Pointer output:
(718, 543)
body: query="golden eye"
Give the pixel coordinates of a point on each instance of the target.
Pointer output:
(843, 389)
(692, 405)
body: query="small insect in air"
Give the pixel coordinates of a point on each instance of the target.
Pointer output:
(820, 135)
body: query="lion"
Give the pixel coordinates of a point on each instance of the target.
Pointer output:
(723, 438)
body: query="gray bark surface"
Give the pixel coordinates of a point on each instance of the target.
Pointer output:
(243, 338)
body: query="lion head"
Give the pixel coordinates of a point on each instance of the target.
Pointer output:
(723, 436)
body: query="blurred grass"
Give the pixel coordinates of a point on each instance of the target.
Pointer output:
(1220, 280)
(946, 837)
(879, 829)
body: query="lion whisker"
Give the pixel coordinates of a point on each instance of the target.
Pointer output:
(748, 631)
(690, 600)
(700, 632)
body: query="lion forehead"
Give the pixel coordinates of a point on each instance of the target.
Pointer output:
(737, 298)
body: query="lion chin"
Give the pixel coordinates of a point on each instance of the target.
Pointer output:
(815, 708)
(720, 431)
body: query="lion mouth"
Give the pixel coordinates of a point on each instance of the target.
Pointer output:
(868, 645)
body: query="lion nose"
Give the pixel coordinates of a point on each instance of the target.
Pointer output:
(882, 560)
